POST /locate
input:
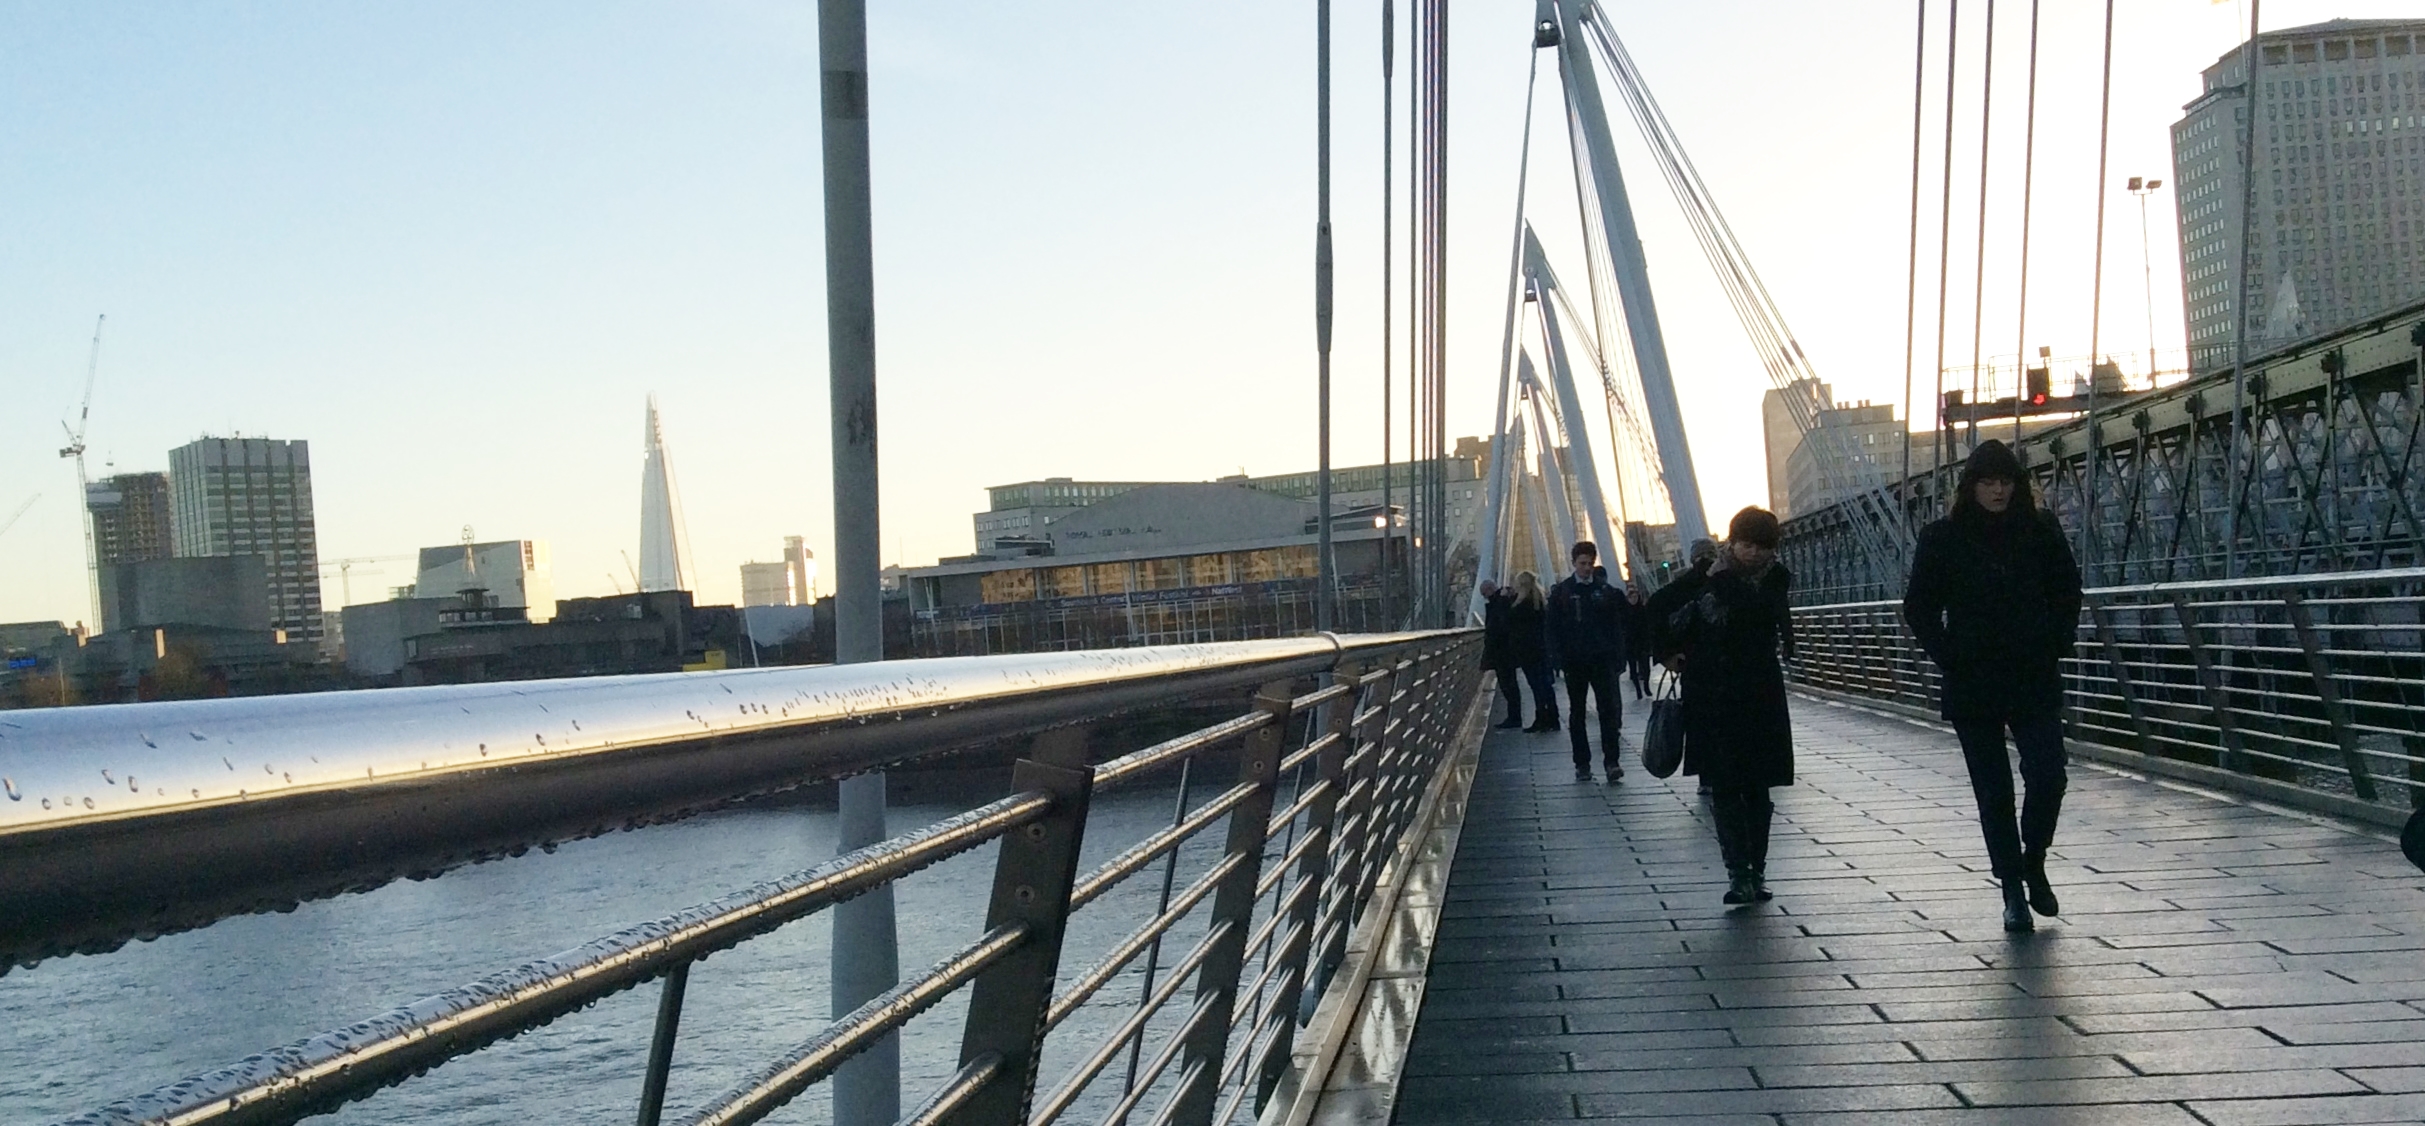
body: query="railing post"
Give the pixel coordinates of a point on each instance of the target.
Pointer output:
(2336, 712)
(1234, 904)
(1033, 874)
(2101, 615)
(2228, 729)
(1330, 771)
(661, 1045)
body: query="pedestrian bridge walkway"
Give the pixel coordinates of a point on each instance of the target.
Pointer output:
(2217, 962)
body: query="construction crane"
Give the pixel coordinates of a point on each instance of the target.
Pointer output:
(11, 522)
(75, 449)
(345, 571)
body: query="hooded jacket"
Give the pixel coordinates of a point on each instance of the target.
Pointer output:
(1995, 600)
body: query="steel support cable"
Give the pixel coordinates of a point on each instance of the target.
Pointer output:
(1754, 306)
(2089, 539)
(1978, 281)
(2235, 477)
(2029, 158)
(1953, 57)
(1103, 971)
(1911, 294)
(1389, 293)
(779, 1083)
(1500, 466)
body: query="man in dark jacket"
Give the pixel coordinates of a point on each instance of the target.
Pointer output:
(1498, 650)
(1586, 635)
(1995, 599)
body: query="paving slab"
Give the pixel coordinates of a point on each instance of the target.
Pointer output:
(2223, 962)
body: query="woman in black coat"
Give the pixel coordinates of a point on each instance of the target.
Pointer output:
(1512, 643)
(1737, 734)
(1995, 599)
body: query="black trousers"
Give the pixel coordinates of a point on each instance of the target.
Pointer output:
(1508, 692)
(1637, 667)
(1742, 815)
(1544, 690)
(1584, 680)
(2040, 742)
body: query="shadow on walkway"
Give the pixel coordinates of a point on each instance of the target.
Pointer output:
(2217, 962)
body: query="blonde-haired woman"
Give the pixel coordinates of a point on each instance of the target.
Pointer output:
(1524, 624)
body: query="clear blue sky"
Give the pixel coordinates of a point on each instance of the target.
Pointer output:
(454, 244)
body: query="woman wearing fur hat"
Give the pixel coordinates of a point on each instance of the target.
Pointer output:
(1995, 599)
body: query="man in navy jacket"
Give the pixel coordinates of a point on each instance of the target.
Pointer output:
(1586, 637)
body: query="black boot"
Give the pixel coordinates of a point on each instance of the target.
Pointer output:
(1741, 887)
(2041, 893)
(2016, 909)
(1546, 720)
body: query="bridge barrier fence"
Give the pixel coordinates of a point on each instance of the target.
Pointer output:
(2313, 682)
(1319, 779)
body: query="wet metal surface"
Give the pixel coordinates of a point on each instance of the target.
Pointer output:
(71, 765)
(2217, 962)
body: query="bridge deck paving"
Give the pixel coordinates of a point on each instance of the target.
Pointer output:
(2218, 962)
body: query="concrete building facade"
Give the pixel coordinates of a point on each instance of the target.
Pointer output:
(2338, 229)
(220, 591)
(515, 573)
(253, 496)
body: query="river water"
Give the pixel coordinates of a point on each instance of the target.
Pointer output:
(77, 1033)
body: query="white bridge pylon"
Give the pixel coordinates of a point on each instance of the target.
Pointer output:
(1644, 423)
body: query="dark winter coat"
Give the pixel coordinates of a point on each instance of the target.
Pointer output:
(1637, 630)
(1661, 609)
(1511, 633)
(1737, 733)
(1586, 622)
(1995, 599)
(1494, 630)
(1527, 647)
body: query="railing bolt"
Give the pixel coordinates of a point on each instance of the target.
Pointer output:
(1025, 895)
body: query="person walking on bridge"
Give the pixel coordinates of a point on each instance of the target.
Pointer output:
(1738, 736)
(1586, 638)
(1637, 641)
(1511, 643)
(1995, 599)
(1664, 613)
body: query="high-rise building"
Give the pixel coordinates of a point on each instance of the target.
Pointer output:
(2338, 229)
(514, 573)
(802, 563)
(788, 583)
(766, 584)
(664, 558)
(131, 521)
(253, 496)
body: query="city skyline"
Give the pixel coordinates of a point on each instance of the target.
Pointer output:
(452, 250)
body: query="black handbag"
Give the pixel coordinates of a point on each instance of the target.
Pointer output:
(1663, 734)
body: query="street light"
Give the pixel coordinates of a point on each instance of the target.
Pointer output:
(2147, 283)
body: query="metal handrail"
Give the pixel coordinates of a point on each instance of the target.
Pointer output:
(133, 820)
(1367, 743)
(2314, 682)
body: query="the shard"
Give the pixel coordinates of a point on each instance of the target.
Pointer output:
(664, 562)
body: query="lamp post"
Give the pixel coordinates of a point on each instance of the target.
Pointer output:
(2147, 275)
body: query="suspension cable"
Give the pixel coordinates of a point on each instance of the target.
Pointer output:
(2029, 156)
(1978, 281)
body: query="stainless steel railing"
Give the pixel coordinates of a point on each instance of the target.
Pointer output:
(1331, 760)
(2313, 681)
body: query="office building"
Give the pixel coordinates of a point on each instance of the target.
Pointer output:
(766, 584)
(131, 521)
(515, 573)
(791, 582)
(229, 592)
(253, 496)
(2338, 230)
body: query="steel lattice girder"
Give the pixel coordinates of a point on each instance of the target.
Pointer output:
(2333, 476)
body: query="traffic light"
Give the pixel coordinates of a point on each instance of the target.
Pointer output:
(2040, 388)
